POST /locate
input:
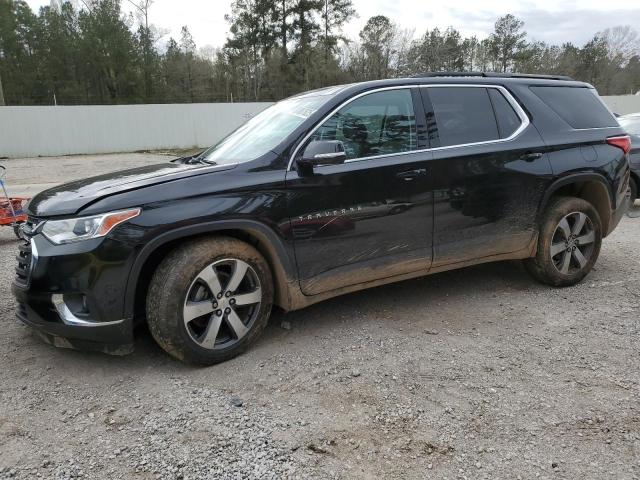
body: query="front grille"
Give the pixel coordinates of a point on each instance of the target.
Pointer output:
(23, 269)
(25, 255)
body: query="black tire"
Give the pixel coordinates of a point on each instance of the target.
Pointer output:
(16, 230)
(175, 280)
(549, 268)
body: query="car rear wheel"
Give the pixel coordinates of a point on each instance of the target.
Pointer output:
(568, 244)
(209, 300)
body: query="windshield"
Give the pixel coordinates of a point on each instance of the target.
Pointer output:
(264, 131)
(630, 124)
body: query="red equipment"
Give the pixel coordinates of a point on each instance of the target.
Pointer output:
(11, 208)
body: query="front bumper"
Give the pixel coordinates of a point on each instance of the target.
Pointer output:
(73, 295)
(114, 338)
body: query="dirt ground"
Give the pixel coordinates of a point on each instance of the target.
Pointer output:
(479, 373)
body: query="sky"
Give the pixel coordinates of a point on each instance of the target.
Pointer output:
(553, 21)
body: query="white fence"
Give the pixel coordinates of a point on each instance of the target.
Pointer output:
(623, 104)
(50, 131)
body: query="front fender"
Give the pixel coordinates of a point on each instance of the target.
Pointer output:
(271, 245)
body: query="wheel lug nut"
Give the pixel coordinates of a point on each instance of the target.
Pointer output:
(215, 304)
(227, 310)
(232, 301)
(228, 294)
(219, 313)
(219, 296)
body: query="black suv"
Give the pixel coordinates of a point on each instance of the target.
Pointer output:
(322, 194)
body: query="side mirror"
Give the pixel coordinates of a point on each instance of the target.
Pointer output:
(322, 152)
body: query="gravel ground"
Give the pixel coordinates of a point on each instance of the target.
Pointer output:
(472, 374)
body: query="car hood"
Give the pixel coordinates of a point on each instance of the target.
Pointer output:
(69, 198)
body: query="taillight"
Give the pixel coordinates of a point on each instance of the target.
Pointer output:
(623, 142)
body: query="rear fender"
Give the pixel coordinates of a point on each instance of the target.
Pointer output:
(586, 182)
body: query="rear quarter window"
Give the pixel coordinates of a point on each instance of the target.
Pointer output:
(580, 107)
(508, 119)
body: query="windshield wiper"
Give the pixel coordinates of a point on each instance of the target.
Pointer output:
(208, 162)
(199, 159)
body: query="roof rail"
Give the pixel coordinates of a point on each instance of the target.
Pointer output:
(492, 75)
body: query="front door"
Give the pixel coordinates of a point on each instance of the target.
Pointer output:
(371, 217)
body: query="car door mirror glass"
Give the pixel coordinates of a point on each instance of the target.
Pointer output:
(323, 152)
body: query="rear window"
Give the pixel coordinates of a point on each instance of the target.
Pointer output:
(579, 107)
(463, 115)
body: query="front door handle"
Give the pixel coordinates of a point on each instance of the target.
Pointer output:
(409, 175)
(530, 157)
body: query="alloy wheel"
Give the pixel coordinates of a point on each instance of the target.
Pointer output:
(573, 243)
(222, 304)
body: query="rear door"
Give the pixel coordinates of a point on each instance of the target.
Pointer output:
(488, 173)
(371, 217)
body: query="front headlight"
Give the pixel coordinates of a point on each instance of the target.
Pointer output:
(78, 229)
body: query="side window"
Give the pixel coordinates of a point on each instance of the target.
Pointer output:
(380, 123)
(463, 115)
(508, 119)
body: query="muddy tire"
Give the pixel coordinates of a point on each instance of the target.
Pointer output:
(568, 244)
(209, 300)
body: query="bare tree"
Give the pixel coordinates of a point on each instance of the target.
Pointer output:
(142, 8)
(623, 43)
(147, 40)
(402, 41)
(87, 5)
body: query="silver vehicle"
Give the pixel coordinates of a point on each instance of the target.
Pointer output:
(631, 123)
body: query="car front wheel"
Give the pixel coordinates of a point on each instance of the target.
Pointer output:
(568, 244)
(209, 300)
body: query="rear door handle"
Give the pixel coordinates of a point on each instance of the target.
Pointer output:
(530, 157)
(409, 175)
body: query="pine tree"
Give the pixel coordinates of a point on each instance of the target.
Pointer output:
(507, 40)
(91, 52)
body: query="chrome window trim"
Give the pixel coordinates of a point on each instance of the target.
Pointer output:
(524, 118)
(595, 128)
